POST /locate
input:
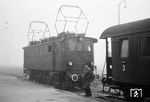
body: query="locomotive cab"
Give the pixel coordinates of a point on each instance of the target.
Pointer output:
(74, 51)
(79, 51)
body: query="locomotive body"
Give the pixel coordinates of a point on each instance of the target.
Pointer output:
(128, 65)
(59, 60)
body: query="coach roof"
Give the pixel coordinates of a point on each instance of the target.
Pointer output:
(128, 28)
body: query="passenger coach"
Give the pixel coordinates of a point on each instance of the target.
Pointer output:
(128, 57)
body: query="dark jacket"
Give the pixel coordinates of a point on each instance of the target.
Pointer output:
(87, 77)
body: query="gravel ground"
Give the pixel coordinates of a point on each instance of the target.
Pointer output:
(13, 88)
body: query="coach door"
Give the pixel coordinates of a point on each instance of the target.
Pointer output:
(124, 58)
(120, 58)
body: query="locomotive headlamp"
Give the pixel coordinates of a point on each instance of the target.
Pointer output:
(70, 63)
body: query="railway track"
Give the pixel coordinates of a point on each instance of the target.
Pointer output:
(99, 94)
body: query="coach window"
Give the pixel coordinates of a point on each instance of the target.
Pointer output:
(72, 45)
(49, 48)
(124, 48)
(145, 46)
(109, 47)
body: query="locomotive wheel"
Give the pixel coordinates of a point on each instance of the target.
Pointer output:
(67, 85)
(31, 77)
(38, 78)
(46, 80)
(27, 77)
(80, 85)
(56, 83)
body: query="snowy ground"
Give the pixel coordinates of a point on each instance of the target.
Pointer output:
(13, 88)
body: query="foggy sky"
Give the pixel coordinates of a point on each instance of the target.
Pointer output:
(15, 16)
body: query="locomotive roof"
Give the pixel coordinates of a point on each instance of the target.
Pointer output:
(59, 38)
(128, 28)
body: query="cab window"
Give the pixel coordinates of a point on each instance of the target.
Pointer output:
(124, 48)
(72, 45)
(88, 47)
(79, 46)
(49, 48)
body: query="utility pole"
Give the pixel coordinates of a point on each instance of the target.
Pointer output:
(123, 1)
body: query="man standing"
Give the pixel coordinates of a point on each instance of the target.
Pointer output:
(87, 78)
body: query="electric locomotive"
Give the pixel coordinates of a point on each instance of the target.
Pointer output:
(128, 58)
(58, 60)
